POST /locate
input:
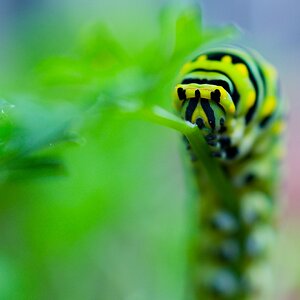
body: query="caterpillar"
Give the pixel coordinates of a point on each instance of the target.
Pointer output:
(232, 95)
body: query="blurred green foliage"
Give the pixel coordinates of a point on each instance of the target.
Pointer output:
(105, 219)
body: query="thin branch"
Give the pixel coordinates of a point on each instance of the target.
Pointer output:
(222, 187)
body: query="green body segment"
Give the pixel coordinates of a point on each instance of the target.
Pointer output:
(232, 96)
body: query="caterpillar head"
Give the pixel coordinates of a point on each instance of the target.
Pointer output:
(206, 105)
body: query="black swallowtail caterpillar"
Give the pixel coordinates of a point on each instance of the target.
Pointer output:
(231, 94)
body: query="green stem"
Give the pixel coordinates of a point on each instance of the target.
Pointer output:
(157, 115)
(219, 183)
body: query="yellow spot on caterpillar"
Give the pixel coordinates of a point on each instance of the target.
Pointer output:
(199, 113)
(251, 98)
(278, 127)
(226, 101)
(226, 59)
(186, 68)
(269, 106)
(190, 92)
(202, 58)
(242, 69)
(231, 109)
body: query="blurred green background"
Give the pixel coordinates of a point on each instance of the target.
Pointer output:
(94, 205)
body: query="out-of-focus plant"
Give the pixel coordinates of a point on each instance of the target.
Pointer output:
(104, 65)
(95, 221)
(102, 72)
(28, 133)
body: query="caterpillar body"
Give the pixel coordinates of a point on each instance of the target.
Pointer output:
(232, 95)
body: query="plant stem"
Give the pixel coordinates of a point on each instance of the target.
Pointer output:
(219, 183)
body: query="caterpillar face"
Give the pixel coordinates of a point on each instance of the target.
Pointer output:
(211, 108)
(205, 105)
